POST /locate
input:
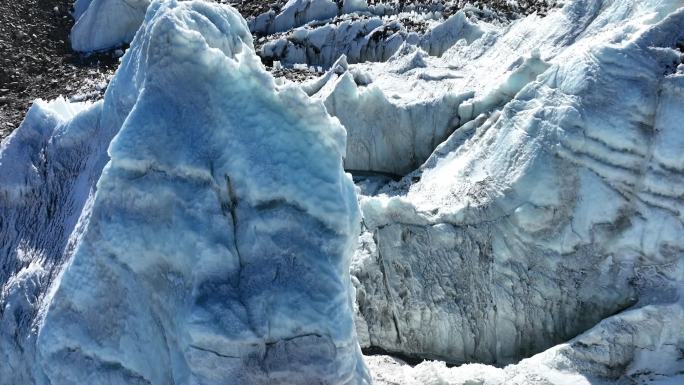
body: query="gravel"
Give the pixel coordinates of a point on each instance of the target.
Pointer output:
(37, 62)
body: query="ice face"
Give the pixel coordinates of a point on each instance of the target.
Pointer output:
(105, 24)
(48, 170)
(199, 259)
(540, 215)
(640, 345)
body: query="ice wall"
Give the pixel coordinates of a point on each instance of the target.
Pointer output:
(366, 39)
(194, 256)
(555, 205)
(105, 24)
(640, 346)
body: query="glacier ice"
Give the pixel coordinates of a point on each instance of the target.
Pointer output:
(359, 40)
(539, 223)
(385, 134)
(297, 13)
(641, 346)
(48, 170)
(366, 39)
(105, 24)
(191, 258)
(552, 206)
(294, 14)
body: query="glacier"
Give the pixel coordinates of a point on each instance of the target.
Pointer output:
(184, 259)
(551, 207)
(516, 219)
(105, 24)
(370, 39)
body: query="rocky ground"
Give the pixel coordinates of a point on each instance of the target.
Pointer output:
(36, 61)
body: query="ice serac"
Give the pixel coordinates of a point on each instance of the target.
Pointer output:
(105, 24)
(555, 204)
(215, 250)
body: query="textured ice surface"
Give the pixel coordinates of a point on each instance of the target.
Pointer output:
(366, 39)
(48, 170)
(640, 346)
(104, 24)
(555, 203)
(541, 215)
(199, 259)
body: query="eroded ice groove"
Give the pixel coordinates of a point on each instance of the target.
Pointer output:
(544, 214)
(49, 168)
(640, 346)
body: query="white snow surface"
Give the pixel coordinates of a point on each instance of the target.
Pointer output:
(197, 257)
